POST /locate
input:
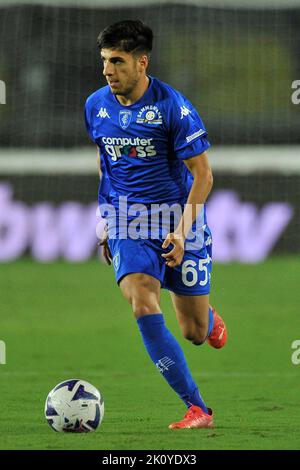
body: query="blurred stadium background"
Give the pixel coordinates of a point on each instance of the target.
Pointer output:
(237, 61)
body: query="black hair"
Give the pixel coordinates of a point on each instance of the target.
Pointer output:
(127, 36)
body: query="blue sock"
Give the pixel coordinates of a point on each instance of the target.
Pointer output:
(210, 321)
(168, 357)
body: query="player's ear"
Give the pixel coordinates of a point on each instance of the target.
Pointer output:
(143, 61)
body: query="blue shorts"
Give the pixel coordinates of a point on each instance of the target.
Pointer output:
(191, 277)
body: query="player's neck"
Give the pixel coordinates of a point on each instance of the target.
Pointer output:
(136, 94)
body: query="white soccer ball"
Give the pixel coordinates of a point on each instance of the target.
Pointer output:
(74, 406)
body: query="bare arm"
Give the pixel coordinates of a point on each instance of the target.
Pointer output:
(203, 180)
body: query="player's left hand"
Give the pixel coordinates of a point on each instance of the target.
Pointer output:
(105, 247)
(174, 257)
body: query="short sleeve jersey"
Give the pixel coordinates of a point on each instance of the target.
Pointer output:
(143, 146)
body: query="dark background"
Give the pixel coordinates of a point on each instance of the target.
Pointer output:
(236, 66)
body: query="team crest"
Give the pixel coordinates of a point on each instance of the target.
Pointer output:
(149, 115)
(125, 118)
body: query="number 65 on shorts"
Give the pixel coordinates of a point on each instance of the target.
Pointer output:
(191, 277)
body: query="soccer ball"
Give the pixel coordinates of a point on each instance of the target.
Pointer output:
(74, 406)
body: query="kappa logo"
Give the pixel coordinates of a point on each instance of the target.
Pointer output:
(125, 118)
(184, 111)
(103, 113)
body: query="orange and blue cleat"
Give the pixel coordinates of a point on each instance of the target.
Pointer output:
(195, 418)
(218, 336)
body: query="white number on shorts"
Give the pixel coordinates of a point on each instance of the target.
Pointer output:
(189, 267)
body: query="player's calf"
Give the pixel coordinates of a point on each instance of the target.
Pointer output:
(195, 332)
(196, 339)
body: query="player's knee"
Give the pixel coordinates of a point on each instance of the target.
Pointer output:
(142, 309)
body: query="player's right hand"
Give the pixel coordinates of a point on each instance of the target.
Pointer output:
(105, 248)
(174, 257)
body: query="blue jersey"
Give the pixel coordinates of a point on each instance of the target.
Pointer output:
(142, 146)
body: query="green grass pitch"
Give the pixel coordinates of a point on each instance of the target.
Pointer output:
(62, 321)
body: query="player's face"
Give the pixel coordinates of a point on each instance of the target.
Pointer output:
(122, 70)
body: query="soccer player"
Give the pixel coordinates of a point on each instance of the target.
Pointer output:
(153, 152)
